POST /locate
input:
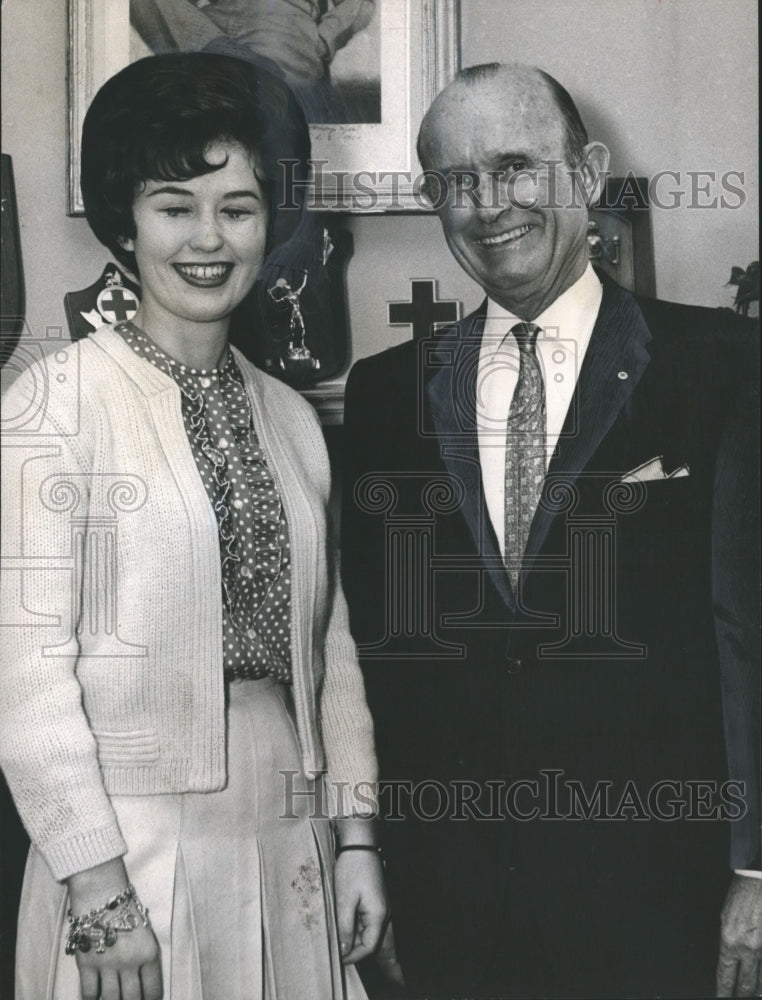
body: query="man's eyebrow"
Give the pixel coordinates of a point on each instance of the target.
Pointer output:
(499, 160)
(496, 160)
(458, 170)
(519, 154)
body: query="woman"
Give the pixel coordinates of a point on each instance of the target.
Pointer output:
(186, 673)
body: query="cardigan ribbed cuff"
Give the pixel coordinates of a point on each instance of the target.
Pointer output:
(77, 854)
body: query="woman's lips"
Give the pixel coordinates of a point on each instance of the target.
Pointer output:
(204, 275)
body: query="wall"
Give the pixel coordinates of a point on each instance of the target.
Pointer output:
(59, 254)
(668, 84)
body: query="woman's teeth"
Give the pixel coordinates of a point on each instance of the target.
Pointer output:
(203, 271)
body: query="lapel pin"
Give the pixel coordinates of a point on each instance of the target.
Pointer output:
(622, 375)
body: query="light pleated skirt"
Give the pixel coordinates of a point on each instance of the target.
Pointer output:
(238, 883)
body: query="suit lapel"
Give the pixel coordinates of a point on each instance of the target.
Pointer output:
(615, 360)
(449, 370)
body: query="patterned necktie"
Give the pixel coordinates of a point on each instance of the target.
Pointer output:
(524, 450)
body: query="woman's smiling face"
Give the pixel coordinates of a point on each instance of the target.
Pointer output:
(199, 244)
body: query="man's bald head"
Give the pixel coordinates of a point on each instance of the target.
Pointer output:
(511, 78)
(508, 156)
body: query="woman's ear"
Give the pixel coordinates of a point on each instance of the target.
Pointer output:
(127, 243)
(594, 170)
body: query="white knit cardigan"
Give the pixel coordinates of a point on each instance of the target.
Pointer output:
(111, 677)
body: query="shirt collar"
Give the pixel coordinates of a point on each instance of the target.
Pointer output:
(188, 379)
(570, 313)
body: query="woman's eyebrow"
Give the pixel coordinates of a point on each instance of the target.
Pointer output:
(168, 189)
(242, 194)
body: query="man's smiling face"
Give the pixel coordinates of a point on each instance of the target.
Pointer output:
(522, 235)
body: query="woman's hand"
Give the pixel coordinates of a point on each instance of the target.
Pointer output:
(129, 969)
(361, 906)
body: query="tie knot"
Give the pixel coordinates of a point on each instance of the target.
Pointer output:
(526, 335)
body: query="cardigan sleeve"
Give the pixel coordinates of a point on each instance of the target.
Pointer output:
(47, 750)
(345, 722)
(347, 726)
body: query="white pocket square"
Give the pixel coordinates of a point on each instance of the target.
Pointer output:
(653, 469)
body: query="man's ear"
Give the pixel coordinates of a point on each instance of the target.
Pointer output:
(594, 170)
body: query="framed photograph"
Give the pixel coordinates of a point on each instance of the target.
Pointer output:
(364, 119)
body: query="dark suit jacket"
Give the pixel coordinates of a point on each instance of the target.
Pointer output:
(602, 678)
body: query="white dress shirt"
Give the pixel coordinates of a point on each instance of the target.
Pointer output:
(566, 326)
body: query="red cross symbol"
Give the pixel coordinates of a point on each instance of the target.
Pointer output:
(117, 304)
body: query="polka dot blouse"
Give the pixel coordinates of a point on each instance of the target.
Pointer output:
(254, 543)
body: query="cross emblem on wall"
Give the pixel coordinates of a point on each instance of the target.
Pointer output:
(424, 312)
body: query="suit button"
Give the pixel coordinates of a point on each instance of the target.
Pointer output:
(513, 666)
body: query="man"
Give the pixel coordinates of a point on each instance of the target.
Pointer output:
(549, 545)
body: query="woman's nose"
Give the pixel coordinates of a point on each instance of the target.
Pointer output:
(207, 234)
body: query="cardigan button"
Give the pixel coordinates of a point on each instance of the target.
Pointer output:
(513, 666)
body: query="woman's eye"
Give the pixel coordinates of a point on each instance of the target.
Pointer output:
(173, 211)
(236, 213)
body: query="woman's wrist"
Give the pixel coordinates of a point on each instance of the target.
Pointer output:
(359, 849)
(100, 928)
(356, 830)
(91, 888)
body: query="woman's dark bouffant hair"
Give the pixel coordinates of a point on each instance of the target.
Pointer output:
(156, 118)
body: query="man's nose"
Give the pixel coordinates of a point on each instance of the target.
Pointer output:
(207, 233)
(491, 197)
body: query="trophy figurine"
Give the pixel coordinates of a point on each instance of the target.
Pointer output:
(298, 359)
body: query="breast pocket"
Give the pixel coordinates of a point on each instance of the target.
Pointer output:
(667, 536)
(669, 493)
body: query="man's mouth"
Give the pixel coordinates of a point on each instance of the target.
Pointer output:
(509, 237)
(204, 275)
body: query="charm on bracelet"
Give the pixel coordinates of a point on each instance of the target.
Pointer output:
(99, 928)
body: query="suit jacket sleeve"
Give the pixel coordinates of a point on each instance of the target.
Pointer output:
(362, 543)
(736, 590)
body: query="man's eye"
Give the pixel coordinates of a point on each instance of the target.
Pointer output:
(463, 180)
(515, 166)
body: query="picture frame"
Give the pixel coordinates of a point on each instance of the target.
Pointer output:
(419, 55)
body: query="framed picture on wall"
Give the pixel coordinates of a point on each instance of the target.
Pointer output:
(364, 85)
